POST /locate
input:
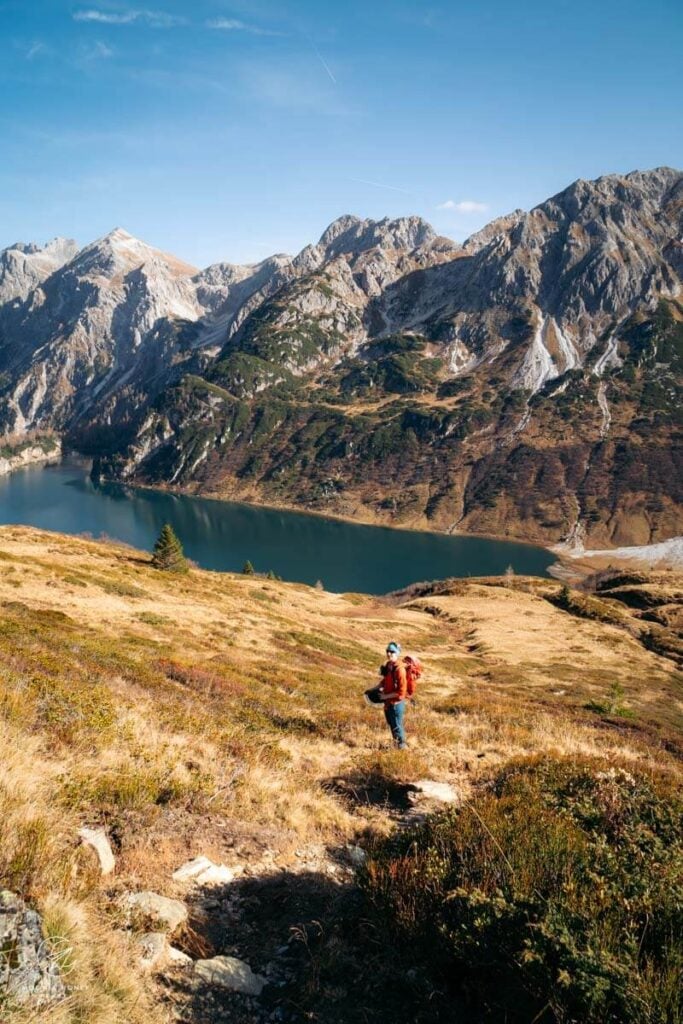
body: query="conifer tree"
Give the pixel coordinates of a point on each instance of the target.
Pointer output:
(248, 568)
(168, 552)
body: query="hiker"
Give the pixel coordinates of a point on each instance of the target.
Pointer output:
(393, 692)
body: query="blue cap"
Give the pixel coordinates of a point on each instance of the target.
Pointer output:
(393, 648)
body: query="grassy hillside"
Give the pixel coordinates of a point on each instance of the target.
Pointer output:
(221, 715)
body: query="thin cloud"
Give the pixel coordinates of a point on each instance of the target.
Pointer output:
(155, 19)
(35, 50)
(465, 206)
(233, 25)
(378, 184)
(100, 51)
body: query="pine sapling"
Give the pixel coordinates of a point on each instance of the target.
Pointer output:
(168, 552)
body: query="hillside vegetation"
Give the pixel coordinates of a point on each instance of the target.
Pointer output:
(221, 715)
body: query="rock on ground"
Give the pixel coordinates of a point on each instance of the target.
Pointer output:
(176, 956)
(166, 913)
(202, 871)
(29, 973)
(153, 950)
(97, 839)
(229, 972)
(441, 791)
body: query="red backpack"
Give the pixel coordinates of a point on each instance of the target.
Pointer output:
(413, 667)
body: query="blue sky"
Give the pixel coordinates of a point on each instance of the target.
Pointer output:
(231, 130)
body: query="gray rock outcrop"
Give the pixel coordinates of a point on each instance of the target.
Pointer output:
(29, 973)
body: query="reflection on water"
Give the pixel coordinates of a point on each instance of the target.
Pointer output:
(223, 535)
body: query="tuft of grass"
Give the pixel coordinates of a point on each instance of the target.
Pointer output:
(153, 619)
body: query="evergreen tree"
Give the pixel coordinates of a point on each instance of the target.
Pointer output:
(168, 552)
(248, 568)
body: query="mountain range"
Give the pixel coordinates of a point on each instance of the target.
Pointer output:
(525, 383)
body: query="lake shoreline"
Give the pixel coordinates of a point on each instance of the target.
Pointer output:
(336, 517)
(568, 565)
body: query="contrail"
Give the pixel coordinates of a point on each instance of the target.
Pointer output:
(378, 184)
(320, 58)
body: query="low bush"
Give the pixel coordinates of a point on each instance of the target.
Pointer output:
(557, 896)
(585, 606)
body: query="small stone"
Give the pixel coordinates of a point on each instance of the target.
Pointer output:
(357, 855)
(191, 869)
(164, 912)
(203, 871)
(176, 956)
(216, 874)
(97, 839)
(231, 973)
(441, 791)
(153, 949)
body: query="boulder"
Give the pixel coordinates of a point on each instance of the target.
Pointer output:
(97, 839)
(357, 855)
(165, 913)
(29, 973)
(231, 973)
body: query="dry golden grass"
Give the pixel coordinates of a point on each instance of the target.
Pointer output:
(222, 714)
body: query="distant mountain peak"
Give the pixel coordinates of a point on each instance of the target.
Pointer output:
(25, 265)
(119, 251)
(350, 233)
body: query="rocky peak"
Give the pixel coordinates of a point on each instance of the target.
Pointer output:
(349, 234)
(25, 265)
(499, 226)
(343, 227)
(120, 252)
(638, 191)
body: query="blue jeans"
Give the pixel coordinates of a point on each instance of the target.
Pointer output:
(394, 715)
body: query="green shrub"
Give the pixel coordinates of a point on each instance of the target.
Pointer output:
(556, 896)
(585, 606)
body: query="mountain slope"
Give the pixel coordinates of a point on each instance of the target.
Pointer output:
(526, 383)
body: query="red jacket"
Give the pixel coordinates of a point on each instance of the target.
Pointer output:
(394, 681)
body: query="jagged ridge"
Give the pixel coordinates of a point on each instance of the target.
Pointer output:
(523, 383)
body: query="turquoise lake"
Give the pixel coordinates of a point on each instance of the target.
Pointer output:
(222, 535)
